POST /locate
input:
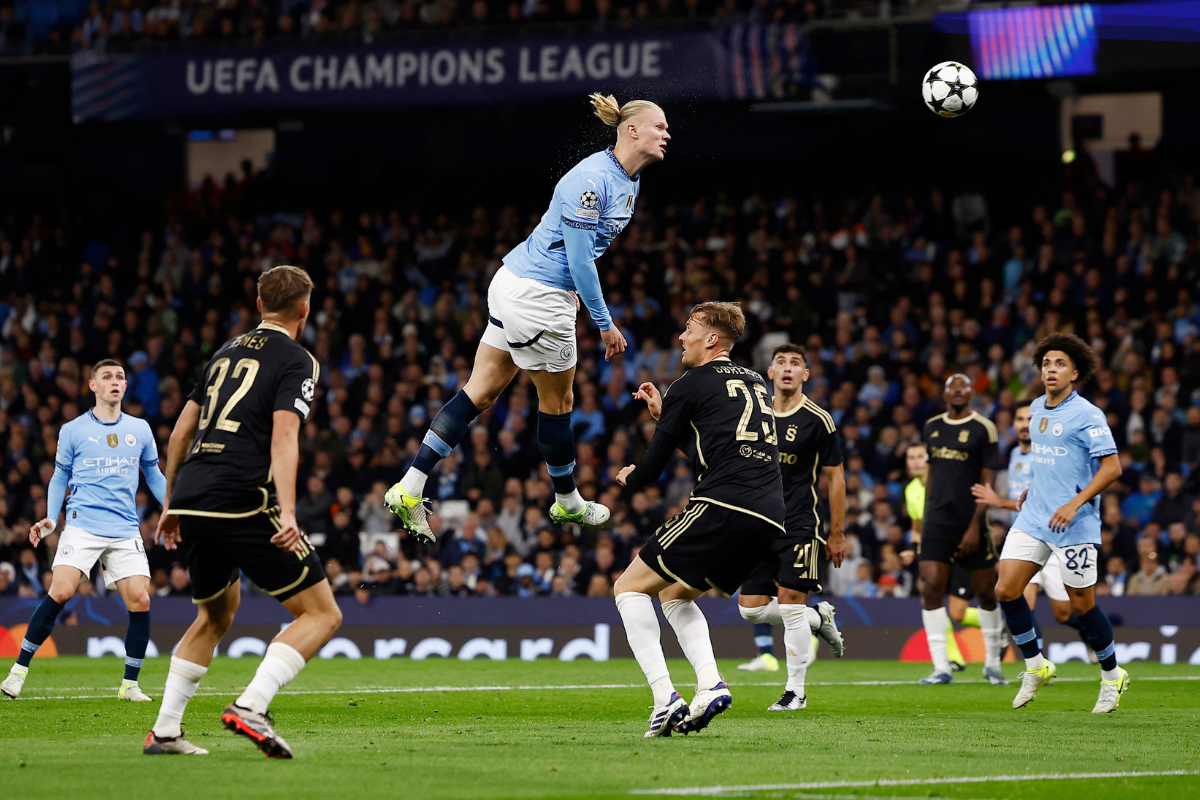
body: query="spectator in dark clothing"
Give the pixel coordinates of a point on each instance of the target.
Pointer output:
(1173, 505)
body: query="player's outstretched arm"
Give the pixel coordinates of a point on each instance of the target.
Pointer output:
(984, 493)
(1110, 470)
(649, 392)
(177, 446)
(835, 548)
(636, 476)
(285, 461)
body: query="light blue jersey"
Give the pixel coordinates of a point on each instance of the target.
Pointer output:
(1067, 441)
(1020, 472)
(100, 462)
(592, 204)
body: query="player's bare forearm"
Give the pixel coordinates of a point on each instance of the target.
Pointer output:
(1110, 470)
(837, 513)
(181, 439)
(285, 458)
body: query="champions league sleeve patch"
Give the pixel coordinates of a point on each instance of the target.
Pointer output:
(589, 199)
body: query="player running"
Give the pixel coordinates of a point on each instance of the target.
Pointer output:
(1020, 476)
(1075, 459)
(99, 456)
(531, 312)
(777, 592)
(962, 449)
(720, 415)
(232, 509)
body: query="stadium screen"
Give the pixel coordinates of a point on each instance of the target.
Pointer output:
(1041, 42)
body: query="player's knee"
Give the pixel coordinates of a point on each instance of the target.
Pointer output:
(60, 594)
(754, 615)
(1079, 607)
(1006, 593)
(333, 618)
(1062, 613)
(139, 602)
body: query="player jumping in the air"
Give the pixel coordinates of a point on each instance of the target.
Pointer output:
(1075, 459)
(720, 415)
(962, 452)
(1020, 476)
(777, 592)
(99, 456)
(232, 509)
(531, 312)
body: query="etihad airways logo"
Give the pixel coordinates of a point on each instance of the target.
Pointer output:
(1049, 450)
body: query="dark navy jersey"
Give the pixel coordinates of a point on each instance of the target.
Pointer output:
(807, 443)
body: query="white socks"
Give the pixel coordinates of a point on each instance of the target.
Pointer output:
(572, 502)
(641, 628)
(1110, 674)
(692, 629)
(814, 618)
(770, 614)
(1037, 662)
(183, 680)
(281, 663)
(992, 625)
(797, 640)
(935, 633)
(414, 482)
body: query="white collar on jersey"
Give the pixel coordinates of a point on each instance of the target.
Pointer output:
(274, 326)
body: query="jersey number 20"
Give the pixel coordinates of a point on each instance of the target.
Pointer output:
(744, 434)
(246, 369)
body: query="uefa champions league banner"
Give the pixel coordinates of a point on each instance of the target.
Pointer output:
(1156, 629)
(736, 62)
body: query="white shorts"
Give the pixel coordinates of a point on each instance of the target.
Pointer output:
(1076, 563)
(1050, 579)
(121, 558)
(532, 322)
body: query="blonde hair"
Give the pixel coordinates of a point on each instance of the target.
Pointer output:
(613, 114)
(282, 288)
(726, 319)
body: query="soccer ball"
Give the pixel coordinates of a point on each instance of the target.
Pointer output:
(950, 89)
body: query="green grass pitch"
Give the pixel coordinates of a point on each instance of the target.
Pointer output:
(481, 729)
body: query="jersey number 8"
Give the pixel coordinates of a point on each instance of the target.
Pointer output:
(247, 367)
(744, 434)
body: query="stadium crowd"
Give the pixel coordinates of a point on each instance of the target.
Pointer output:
(889, 294)
(130, 24)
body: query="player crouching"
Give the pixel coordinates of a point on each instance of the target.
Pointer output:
(720, 415)
(1072, 447)
(99, 456)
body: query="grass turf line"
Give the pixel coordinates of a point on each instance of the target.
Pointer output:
(587, 742)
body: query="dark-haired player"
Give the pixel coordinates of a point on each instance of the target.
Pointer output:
(99, 456)
(777, 592)
(232, 509)
(1074, 460)
(720, 414)
(962, 452)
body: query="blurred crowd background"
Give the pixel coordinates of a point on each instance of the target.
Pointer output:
(890, 294)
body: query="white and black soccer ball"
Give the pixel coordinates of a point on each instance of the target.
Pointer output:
(950, 89)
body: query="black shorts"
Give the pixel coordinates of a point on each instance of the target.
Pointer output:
(793, 565)
(215, 549)
(938, 543)
(960, 583)
(710, 546)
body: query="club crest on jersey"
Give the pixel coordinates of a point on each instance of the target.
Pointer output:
(964, 435)
(130, 440)
(66, 549)
(566, 352)
(589, 199)
(1045, 423)
(112, 440)
(1057, 429)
